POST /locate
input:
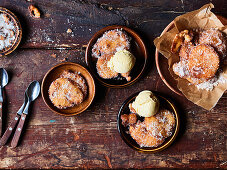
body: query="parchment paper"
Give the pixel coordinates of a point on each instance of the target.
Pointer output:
(202, 18)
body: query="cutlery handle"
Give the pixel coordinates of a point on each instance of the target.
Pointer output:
(0, 119)
(18, 131)
(9, 130)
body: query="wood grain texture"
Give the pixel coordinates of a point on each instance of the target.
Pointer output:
(91, 139)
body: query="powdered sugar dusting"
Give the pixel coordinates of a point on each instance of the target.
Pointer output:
(111, 42)
(210, 84)
(181, 68)
(216, 39)
(201, 59)
(153, 131)
(63, 93)
(77, 79)
(7, 32)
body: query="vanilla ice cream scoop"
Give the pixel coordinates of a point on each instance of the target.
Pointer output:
(122, 61)
(146, 104)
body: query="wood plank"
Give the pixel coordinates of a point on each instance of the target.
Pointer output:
(53, 141)
(87, 17)
(91, 139)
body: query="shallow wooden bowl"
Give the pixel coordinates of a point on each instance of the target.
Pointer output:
(162, 62)
(18, 32)
(165, 103)
(55, 73)
(137, 47)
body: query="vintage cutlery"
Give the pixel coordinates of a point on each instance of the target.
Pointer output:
(9, 130)
(3, 83)
(32, 93)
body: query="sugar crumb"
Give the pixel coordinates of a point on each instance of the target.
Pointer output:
(69, 30)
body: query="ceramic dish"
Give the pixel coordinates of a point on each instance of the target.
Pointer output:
(18, 32)
(138, 49)
(54, 73)
(162, 62)
(167, 104)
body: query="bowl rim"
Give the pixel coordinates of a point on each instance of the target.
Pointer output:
(42, 89)
(157, 62)
(155, 149)
(96, 36)
(19, 31)
(169, 26)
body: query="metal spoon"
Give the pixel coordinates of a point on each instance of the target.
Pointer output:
(32, 93)
(3, 83)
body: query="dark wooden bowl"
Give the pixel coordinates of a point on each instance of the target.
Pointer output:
(165, 103)
(138, 49)
(54, 73)
(18, 32)
(162, 62)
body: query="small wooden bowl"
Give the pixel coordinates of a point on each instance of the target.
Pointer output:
(55, 73)
(163, 66)
(167, 104)
(137, 47)
(18, 32)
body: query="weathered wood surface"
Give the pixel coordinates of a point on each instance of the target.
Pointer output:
(91, 139)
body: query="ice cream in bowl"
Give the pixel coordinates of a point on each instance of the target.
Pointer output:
(122, 62)
(146, 104)
(116, 56)
(148, 122)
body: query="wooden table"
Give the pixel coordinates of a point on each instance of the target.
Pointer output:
(91, 139)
